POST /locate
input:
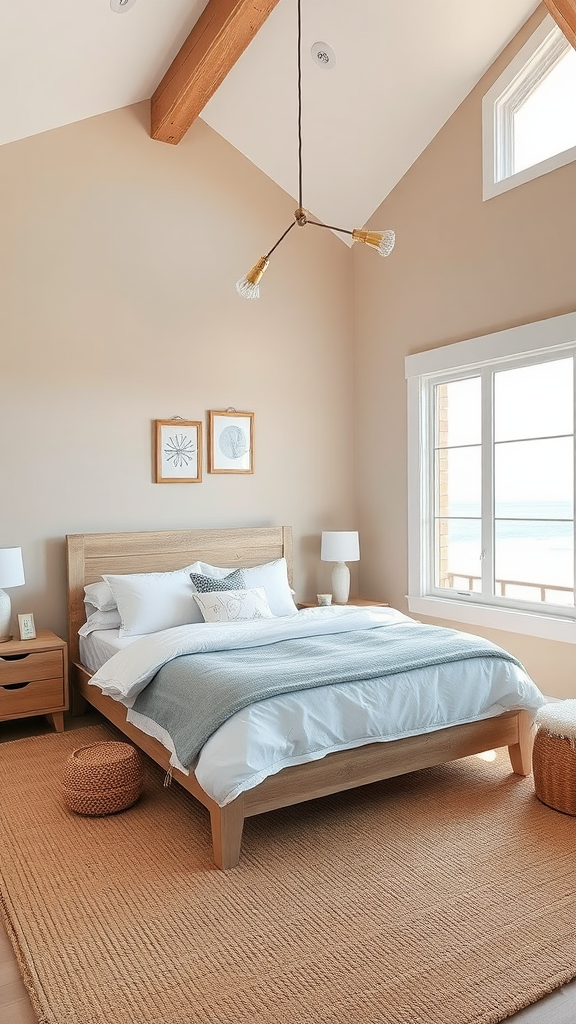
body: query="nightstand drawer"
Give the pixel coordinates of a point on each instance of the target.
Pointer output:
(22, 698)
(28, 667)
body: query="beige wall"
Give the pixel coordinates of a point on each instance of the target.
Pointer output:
(119, 258)
(117, 307)
(461, 268)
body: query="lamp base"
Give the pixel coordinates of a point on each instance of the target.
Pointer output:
(340, 583)
(5, 616)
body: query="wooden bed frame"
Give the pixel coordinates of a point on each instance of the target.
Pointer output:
(89, 555)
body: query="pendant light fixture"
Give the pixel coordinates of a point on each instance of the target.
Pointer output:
(382, 241)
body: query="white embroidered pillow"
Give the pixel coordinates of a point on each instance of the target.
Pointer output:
(234, 605)
(272, 576)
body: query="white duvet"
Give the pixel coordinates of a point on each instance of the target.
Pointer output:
(294, 728)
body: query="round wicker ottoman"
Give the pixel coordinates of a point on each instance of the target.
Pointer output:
(554, 756)
(102, 778)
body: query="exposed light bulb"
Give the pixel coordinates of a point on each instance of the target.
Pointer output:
(382, 241)
(248, 287)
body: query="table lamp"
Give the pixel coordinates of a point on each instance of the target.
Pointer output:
(340, 546)
(11, 575)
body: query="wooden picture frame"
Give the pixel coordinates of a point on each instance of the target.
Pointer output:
(230, 441)
(26, 627)
(178, 451)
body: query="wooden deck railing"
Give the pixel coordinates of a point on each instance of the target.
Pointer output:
(450, 577)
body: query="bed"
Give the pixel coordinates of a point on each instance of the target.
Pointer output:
(91, 555)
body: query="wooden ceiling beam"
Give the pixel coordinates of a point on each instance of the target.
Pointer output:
(217, 40)
(564, 14)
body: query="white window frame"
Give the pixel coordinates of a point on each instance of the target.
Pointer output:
(546, 46)
(543, 339)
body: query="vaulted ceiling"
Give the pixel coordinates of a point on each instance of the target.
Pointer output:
(401, 69)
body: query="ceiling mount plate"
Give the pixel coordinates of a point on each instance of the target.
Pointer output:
(323, 55)
(119, 6)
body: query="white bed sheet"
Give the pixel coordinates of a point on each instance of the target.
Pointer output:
(99, 646)
(290, 729)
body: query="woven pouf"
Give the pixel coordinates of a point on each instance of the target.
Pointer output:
(554, 756)
(102, 778)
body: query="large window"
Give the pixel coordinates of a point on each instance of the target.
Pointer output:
(492, 467)
(529, 114)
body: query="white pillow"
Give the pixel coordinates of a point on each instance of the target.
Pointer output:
(272, 576)
(234, 605)
(151, 601)
(100, 620)
(100, 595)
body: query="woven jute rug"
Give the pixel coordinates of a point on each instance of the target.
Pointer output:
(443, 897)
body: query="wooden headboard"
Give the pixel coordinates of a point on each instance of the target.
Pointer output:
(88, 555)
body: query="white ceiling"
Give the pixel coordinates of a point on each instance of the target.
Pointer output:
(401, 70)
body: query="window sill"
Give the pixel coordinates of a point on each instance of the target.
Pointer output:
(546, 627)
(494, 188)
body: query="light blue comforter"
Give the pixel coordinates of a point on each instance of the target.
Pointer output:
(193, 694)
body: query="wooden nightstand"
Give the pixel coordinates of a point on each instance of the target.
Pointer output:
(34, 678)
(357, 601)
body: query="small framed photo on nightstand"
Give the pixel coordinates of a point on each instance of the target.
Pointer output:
(26, 626)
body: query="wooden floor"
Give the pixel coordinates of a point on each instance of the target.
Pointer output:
(15, 1008)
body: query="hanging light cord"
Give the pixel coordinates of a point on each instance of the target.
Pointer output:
(299, 45)
(383, 241)
(299, 104)
(316, 223)
(300, 190)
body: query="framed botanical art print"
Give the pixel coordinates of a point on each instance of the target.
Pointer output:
(178, 451)
(231, 441)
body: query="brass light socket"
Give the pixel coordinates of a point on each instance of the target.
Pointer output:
(258, 270)
(369, 237)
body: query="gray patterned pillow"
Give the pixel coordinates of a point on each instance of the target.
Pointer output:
(207, 585)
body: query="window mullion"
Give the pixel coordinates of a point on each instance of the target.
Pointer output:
(429, 493)
(574, 470)
(487, 485)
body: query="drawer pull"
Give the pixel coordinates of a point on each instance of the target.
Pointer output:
(14, 686)
(14, 657)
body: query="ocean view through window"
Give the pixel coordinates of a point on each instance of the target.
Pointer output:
(531, 430)
(492, 467)
(535, 554)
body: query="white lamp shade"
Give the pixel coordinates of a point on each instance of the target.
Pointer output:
(340, 546)
(11, 567)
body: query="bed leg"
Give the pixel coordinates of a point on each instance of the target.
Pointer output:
(521, 752)
(78, 703)
(227, 825)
